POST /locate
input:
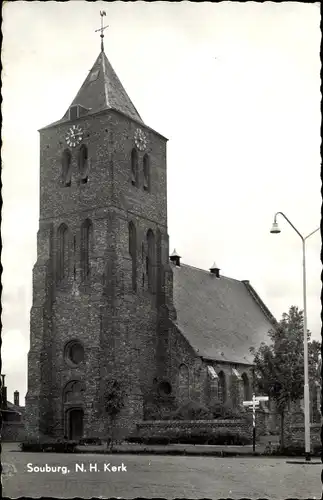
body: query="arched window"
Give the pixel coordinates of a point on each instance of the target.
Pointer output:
(146, 169)
(222, 388)
(134, 167)
(234, 391)
(74, 392)
(133, 253)
(159, 269)
(86, 243)
(212, 385)
(143, 263)
(62, 267)
(183, 383)
(83, 163)
(66, 167)
(246, 387)
(151, 261)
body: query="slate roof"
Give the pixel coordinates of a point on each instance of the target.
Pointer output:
(103, 90)
(14, 408)
(220, 317)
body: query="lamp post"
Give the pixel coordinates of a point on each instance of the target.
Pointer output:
(275, 230)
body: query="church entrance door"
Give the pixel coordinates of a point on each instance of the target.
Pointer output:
(75, 424)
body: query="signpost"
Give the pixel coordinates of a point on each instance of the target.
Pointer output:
(253, 405)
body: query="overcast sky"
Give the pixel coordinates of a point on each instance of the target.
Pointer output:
(236, 89)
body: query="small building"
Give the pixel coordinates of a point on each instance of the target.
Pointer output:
(12, 416)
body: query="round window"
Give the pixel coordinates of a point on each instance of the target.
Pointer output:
(75, 353)
(164, 388)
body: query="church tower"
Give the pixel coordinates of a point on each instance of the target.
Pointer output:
(101, 283)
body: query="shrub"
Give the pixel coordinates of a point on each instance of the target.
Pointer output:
(290, 451)
(202, 436)
(152, 412)
(164, 440)
(191, 411)
(226, 411)
(56, 446)
(90, 441)
(317, 450)
(133, 439)
(31, 445)
(114, 397)
(227, 437)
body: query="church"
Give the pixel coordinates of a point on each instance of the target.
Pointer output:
(110, 302)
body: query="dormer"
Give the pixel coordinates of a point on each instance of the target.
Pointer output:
(76, 111)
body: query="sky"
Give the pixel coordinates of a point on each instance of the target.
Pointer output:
(235, 87)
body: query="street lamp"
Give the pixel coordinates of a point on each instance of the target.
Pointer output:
(275, 230)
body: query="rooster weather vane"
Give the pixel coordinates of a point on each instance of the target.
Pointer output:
(102, 14)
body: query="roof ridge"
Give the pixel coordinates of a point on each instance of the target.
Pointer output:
(208, 272)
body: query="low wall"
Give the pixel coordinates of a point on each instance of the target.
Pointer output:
(157, 428)
(13, 431)
(296, 435)
(170, 428)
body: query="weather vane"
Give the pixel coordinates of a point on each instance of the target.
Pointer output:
(102, 13)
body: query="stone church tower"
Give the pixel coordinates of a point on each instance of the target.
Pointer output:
(102, 285)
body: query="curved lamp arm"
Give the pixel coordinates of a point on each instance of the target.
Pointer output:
(292, 225)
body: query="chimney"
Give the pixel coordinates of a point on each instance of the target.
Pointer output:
(215, 270)
(16, 398)
(3, 393)
(175, 258)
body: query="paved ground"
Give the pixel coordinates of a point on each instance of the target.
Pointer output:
(157, 476)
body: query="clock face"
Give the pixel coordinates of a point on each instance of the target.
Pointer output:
(140, 140)
(74, 136)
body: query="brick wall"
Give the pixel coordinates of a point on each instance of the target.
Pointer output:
(13, 431)
(181, 353)
(294, 431)
(295, 435)
(169, 428)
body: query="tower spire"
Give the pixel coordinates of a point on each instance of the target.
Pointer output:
(102, 13)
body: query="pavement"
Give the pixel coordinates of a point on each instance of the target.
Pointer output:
(154, 476)
(184, 449)
(174, 449)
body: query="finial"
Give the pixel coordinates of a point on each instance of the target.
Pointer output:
(102, 13)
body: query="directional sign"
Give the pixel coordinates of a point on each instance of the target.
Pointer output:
(250, 403)
(253, 405)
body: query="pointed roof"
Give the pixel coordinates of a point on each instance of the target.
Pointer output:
(103, 90)
(175, 254)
